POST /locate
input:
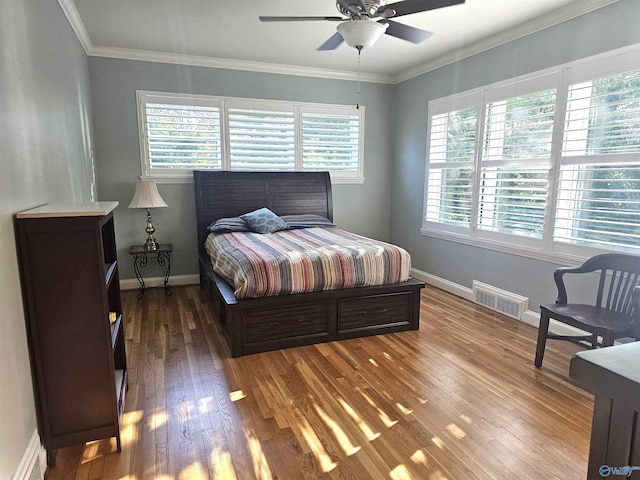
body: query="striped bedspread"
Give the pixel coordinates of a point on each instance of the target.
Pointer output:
(304, 260)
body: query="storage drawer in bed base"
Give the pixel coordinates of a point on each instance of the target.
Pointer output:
(271, 323)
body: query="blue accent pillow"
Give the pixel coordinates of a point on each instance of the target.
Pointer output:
(308, 220)
(264, 220)
(229, 225)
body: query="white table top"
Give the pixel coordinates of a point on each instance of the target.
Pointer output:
(87, 209)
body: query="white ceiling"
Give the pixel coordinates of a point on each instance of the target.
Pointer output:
(228, 33)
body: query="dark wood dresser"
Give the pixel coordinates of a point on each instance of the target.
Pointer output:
(613, 374)
(75, 326)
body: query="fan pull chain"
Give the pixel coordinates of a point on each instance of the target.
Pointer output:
(359, 48)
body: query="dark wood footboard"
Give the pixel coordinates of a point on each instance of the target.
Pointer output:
(270, 323)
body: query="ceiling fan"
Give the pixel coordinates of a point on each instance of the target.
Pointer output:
(359, 26)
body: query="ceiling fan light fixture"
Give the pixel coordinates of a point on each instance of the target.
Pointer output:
(361, 33)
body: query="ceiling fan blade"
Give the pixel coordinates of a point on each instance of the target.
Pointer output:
(407, 7)
(332, 43)
(299, 19)
(406, 32)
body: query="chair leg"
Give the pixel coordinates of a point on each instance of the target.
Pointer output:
(543, 330)
(608, 339)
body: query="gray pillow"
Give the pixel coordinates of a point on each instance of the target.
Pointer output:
(308, 220)
(264, 220)
(228, 225)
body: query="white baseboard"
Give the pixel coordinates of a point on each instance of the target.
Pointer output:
(529, 317)
(152, 282)
(443, 284)
(33, 462)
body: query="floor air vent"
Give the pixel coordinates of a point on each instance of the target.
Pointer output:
(499, 300)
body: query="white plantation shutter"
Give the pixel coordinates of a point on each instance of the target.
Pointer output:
(603, 116)
(452, 144)
(183, 136)
(516, 158)
(330, 141)
(551, 167)
(599, 189)
(261, 139)
(599, 206)
(182, 132)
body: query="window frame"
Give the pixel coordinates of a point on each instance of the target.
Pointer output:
(224, 104)
(562, 77)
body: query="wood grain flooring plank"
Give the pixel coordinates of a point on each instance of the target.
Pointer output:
(458, 399)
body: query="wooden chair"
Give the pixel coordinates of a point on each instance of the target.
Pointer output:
(616, 309)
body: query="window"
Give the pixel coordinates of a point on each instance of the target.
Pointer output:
(514, 164)
(261, 139)
(183, 136)
(451, 165)
(330, 141)
(550, 168)
(180, 133)
(599, 189)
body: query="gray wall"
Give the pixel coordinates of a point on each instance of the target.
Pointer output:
(609, 28)
(362, 208)
(45, 156)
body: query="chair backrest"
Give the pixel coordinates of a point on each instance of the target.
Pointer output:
(619, 275)
(635, 299)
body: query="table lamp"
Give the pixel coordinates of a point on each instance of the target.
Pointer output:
(147, 196)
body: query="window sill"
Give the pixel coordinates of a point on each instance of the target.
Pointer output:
(556, 258)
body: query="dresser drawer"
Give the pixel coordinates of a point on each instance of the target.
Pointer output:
(293, 322)
(363, 313)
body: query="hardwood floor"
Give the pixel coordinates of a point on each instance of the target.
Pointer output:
(458, 399)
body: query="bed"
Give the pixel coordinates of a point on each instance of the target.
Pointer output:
(253, 325)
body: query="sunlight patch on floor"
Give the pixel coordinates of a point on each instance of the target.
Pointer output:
(401, 473)
(346, 445)
(437, 441)
(237, 395)
(193, 472)
(404, 410)
(90, 451)
(206, 405)
(314, 443)
(465, 418)
(129, 433)
(364, 428)
(221, 465)
(456, 431)
(260, 464)
(419, 457)
(156, 420)
(383, 416)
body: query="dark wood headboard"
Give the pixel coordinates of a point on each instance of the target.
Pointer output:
(230, 194)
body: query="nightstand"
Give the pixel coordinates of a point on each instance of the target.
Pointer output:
(140, 258)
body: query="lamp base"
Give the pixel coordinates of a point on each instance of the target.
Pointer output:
(151, 245)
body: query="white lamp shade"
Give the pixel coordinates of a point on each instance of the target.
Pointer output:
(146, 195)
(361, 33)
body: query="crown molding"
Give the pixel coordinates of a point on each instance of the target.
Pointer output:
(568, 12)
(71, 12)
(201, 61)
(556, 17)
